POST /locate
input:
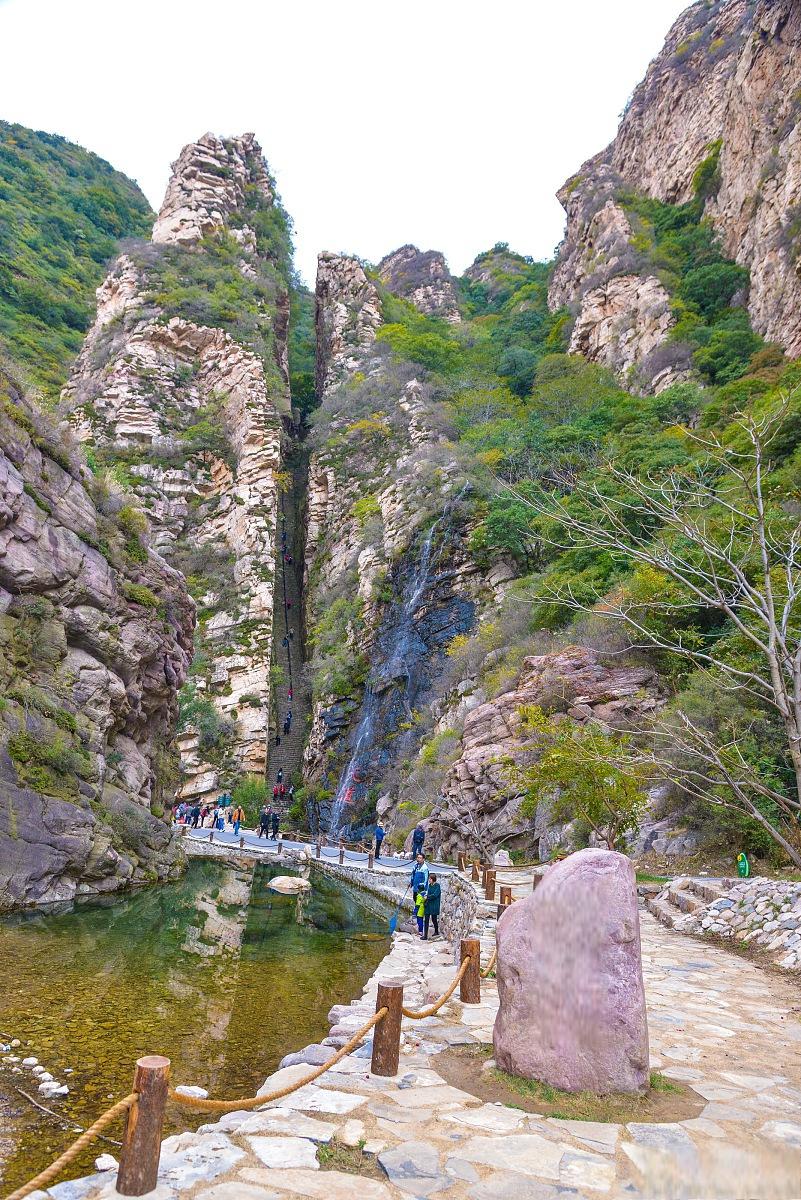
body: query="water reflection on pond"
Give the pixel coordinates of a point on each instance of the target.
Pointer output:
(221, 976)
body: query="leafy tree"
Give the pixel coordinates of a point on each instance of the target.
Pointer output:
(573, 773)
(518, 366)
(709, 531)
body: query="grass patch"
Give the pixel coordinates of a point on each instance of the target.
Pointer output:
(469, 1068)
(336, 1156)
(586, 1106)
(647, 877)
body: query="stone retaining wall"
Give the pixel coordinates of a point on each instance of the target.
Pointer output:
(766, 912)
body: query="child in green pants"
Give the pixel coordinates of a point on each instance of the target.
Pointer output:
(420, 910)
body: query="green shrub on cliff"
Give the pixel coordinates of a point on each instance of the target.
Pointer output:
(62, 213)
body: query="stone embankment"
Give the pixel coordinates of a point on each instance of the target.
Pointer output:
(765, 912)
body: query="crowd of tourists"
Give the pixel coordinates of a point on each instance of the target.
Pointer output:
(218, 814)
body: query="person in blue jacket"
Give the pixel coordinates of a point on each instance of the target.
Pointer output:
(419, 877)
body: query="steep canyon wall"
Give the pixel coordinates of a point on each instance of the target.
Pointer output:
(181, 389)
(389, 578)
(95, 641)
(727, 81)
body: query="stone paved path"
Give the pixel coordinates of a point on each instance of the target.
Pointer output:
(729, 1030)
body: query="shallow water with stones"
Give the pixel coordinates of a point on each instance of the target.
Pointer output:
(221, 976)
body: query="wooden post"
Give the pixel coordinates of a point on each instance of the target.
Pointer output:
(341, 854)
(461, 862)
(279, 848)
(370, 861)
(318, 851)
(536, 881)
(506, 895)
(241, 841)
(141, 1141)
(386, 1034)
(211, 836)
(474, 871)
(489, 884)
(470, 983)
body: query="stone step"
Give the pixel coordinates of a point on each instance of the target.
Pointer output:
(710, 889)
(683, 899)
(663, 910)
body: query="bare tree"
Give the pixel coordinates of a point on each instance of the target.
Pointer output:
(710, 528)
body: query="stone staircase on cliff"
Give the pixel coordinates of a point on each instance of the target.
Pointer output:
(289, 620)
(682, 897)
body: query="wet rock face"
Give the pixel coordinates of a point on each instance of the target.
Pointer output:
(408, 646)
(381, 477)
(715, 79)
(572, 1000)
(94, 645)
(477, 799)
(198, 420)
(423, 278)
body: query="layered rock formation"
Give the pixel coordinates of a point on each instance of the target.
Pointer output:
(347, 318)
(478, 804)
(194, 415)
(95, 641)
(715, 80)
(623, 312)
(422, 276)
(207, 188)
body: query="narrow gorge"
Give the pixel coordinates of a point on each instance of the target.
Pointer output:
(346, 493)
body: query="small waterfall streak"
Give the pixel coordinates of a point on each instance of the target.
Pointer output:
(404, 626)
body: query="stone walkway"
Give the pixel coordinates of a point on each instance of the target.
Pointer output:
(723, 1026)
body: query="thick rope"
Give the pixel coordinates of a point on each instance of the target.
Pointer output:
(224, 1106)
(437, 1005)
(49, 1174)
(490, 964)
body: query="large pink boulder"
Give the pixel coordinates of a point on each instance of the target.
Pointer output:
(570, 983)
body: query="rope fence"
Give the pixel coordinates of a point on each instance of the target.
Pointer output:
(224, 1106)
(144, 1107)
(49, 1174)
(490, 965)
(437, 1005)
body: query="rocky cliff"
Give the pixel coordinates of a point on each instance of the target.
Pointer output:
(389, 579)
(181, 388)
(478, 806)
(95, 640)
(710, 97)
(423, 278)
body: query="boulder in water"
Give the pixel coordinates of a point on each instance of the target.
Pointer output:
(572, 1000)
(288, 885)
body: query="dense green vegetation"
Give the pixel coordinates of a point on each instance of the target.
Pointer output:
(532, 421)
(679, 244)
(302, 347)
(62, 213)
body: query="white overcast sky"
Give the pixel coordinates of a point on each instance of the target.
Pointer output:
(447, 123)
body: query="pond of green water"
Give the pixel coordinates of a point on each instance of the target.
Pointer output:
(221, 976)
